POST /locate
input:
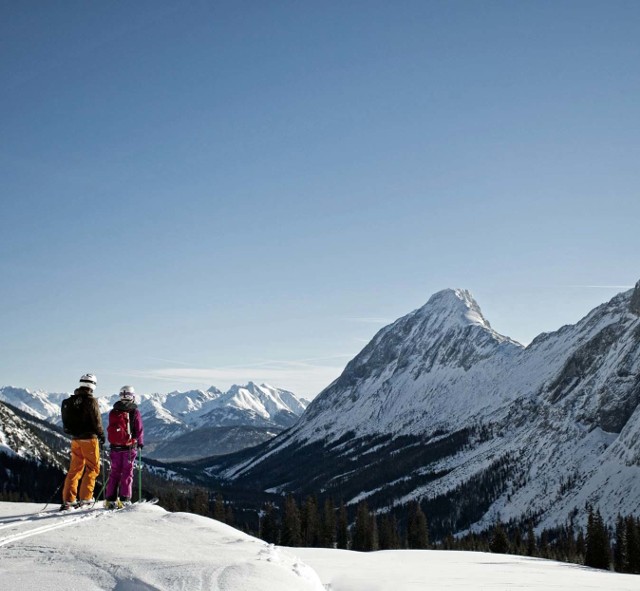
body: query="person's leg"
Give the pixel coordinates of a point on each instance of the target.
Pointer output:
(114, 474)
(91, 452)
(126, 480)
(76, 466)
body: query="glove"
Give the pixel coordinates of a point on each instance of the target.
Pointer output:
(101, 439)
(140, 445)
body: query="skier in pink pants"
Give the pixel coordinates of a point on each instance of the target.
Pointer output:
(126, 435)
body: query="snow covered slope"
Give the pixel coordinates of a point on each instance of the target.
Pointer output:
(431, 369)
(23, 435)
(140, 548)
(263, 406)
(439, 407)
(40, 404)
(145, 548)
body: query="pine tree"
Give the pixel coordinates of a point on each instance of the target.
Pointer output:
(291, 534)
(310, 523)
(389, 538)
(620, 550)
(200, 502)
(229, 517)
(269, 527)
(219, 509)
(543, 547)
(183, 503)
(531, 541)
(169, 500)
(417, 529)
(328, 525)
(581, 546)
(362, 540)
(499, 543)
(598, 554)
(449, 542)
(516, 547)
(375, 539)
(632, 546)
(571, 552)
(342, 533)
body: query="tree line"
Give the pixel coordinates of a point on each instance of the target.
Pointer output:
(26, 480)
(598, 547)
(309, 523)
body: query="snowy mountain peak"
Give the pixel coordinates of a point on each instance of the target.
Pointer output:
(182, 403)
(41, 404)
(457, 305)
(242, 416)
(265, 400)
(421, 361)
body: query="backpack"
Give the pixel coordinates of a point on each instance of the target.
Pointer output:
(73, 414)
(119, 429)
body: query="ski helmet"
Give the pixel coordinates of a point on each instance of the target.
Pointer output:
(88, 380)
(127, 393)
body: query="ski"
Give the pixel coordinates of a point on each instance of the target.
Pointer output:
(119, 506)
(78, 507)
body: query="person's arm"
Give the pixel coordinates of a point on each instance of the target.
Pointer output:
(138, 428)
(97, 420)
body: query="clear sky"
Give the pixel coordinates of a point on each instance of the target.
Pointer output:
(211, 192)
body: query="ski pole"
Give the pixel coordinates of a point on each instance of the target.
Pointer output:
(55, 492)
(103, 469)
(104, 481)
(139, 474)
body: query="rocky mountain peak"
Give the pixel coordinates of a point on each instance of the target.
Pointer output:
(457, 305)
(634, 306)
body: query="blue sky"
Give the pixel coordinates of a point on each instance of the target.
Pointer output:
(206, 193)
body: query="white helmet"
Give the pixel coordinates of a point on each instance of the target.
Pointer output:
(88, 380)
(127, 393)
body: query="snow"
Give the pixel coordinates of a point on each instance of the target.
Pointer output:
(436, 570)
(145, 548)
(40, 404)
(142, 548)
(185, 410)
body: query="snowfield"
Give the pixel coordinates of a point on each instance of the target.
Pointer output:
(145, 548)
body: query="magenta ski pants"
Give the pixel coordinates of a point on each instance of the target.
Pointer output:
(121, 474)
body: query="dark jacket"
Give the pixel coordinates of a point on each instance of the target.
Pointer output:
(135, 422)
(91, 421)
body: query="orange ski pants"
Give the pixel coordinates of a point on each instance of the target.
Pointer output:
(85, 456)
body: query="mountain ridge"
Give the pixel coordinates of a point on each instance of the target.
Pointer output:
(187, 419)
(440, 408)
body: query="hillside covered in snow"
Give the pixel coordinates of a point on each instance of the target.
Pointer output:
(144, 548)
(440, 408)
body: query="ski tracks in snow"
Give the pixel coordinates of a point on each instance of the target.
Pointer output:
(22, 528)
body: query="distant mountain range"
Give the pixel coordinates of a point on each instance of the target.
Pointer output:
(188, 425)
(440, 408)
